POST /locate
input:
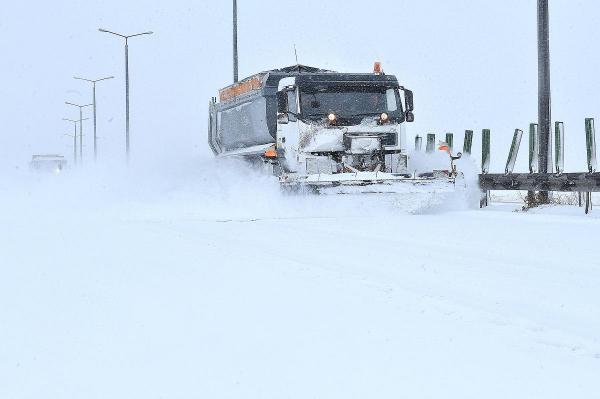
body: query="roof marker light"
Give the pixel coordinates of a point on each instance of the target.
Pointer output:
(377, 68)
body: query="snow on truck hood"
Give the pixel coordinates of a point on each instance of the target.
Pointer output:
(328, 138)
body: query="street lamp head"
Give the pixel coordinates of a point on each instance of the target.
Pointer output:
(112, 33)
(77, 105)
(92, 80)
(140, 34)
(124, 36)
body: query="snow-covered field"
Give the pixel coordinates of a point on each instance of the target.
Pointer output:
(198, 281)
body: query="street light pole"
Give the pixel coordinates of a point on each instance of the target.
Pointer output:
(81, 107)
(127, 139)
(544, 100)
(74, 139)
(74, 121)
(235, 42)
(126, 37)
(93, 82)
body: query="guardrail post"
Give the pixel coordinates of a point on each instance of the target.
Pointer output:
(418, 143)
(559, 146)
(590, 136)
(430, 143)
(534, 143)
(450, 141)
(590, 140)
(588, 202)
(468, 143)
(485, 164)
(514, 151)
(485, 151)
(550, 168)
(534, 160)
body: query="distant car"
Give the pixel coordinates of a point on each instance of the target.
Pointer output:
(48, 163)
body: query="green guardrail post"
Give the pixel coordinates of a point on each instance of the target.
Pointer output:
(514, 151)
(468, 143)
(534, 144)
(418, 143)
(590, 140)
(559, 146)
(430, 142)
(485, 151)
(550, 153)
(450, 140)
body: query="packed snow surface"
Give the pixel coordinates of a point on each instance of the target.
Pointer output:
(201, 280)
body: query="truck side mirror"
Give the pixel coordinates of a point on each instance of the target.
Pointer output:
(408, 99)
(410, 117)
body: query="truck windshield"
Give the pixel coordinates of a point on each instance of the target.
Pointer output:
(348, 101)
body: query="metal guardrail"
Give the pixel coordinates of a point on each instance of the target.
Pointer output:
(556, 179)
(581, 182)
(566, 182)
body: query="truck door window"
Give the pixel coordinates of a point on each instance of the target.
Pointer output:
(292, 105)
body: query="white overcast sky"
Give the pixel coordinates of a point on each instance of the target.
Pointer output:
(471, 63)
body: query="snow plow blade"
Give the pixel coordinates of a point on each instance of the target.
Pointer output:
(373, 183)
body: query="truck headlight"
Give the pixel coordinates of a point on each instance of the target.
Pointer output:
(384, 117)
(331, 117)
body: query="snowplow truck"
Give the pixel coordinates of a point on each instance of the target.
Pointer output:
(319, 129)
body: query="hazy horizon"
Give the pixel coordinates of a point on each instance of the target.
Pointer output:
(472, 65)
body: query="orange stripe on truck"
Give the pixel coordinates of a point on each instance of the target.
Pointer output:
(252, 83)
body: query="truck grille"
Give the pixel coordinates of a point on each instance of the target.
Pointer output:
(386, 139)
(389, 139)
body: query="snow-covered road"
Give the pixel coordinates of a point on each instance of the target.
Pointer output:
(223, 290)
